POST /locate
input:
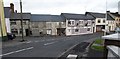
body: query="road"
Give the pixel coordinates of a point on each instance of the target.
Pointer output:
(46, 47)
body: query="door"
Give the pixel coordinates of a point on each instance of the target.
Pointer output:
(27, 32)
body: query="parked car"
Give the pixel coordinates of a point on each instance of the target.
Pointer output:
(11, 36)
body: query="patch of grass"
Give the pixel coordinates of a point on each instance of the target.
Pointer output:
(98, 48)
(98, 45)
(99, 41)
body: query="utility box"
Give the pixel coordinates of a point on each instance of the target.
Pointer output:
(71, 56)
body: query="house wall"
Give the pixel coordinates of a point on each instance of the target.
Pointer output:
(16, 24)
(37, 27)
(117, 21)
(46, 27)
(78, 28)
(7, 20)
(110, 24)
(101, 21)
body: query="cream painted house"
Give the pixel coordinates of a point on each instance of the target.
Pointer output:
(116, 16)
(101, 22)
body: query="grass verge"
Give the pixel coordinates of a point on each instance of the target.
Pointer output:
(98, 45)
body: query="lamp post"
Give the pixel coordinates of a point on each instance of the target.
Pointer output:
(21, 21)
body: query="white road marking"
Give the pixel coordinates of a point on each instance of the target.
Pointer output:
(42, 40)
(17, 51)
(29, 42)
(50, 43)
(37, 41)
(68, 50)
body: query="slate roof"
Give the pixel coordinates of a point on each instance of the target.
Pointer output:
(100, 15)
(7, 12)
(76, 16)
(46, 18)
(115, 14)
(17, 16)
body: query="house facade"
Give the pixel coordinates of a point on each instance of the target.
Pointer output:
(116, 16)
(15, 24)
(47, 25)
(7, 18)
(77, 24)
(101, 22)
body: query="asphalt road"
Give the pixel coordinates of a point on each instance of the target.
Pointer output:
(46, 47)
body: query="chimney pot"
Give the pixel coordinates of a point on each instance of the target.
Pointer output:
(12, 7)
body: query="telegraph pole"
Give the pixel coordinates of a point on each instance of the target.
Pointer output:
(21, 21)
(106, 20)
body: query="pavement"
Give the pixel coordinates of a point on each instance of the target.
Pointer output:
(52, 47)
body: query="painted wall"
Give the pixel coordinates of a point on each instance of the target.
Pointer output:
(111, 25)
(7, 20)
(18, 26)
(46, 27)
(78, 29)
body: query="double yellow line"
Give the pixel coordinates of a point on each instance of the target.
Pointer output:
(3, 31)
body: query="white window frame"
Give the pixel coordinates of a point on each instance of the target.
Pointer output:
(81, 22)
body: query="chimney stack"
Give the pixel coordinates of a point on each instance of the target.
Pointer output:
(15, 11)
(12, 7)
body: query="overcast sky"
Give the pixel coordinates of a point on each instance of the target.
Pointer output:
(57, 7)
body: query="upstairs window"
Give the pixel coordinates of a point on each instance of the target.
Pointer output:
(13, 23)
(103, 21)
(69, 22)
(15, 31)
(99, 21)
(72, 22)
(24, 23)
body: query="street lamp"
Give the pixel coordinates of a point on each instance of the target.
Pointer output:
(21, 21)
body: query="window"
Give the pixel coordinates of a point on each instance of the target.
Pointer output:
(13, 23)
(20, 31)
(80, 22)
(89, 22)
(77, 24)
(99, 21)
(15, 31)
(88, 29)
(24, 23)
(69, 22)
(72, 22)
(103, 21)
(76, 30)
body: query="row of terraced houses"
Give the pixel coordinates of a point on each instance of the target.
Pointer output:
(64, 24)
